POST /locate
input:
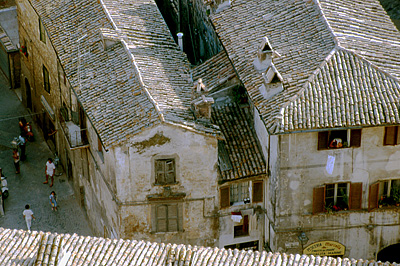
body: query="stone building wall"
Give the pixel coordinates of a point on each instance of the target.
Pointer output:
(302, 167)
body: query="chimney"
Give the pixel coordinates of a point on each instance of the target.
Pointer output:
(180, 40)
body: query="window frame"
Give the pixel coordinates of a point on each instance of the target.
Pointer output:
(353, 139)
(46, 79)
(353, 193)
(396, 137)
(380, 193)
(256, 196)
(42, 32)
(164, 160)
(157, 217)
(239, 193)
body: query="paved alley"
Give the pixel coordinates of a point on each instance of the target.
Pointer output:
(28, 187)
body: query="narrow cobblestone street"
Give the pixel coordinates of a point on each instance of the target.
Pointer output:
(28, 187)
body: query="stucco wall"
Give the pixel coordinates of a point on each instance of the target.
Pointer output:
(196, 161)
(303, 167)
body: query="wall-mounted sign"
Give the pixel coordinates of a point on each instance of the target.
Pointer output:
(325, 248)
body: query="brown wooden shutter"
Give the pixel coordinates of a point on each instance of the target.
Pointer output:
(258, 191)
(245, 225)
(224, 197)
(390, 136)
(318, 200)
(355, 198)
(323, 140)
(373, 196)
(397, 135)
(355, 138)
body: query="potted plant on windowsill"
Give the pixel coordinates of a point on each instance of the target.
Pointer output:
(396, 195)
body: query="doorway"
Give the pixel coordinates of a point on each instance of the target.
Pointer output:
(390, 253)
(28, 95)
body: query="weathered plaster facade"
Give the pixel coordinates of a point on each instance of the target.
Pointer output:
(300, 167)
(196, 177)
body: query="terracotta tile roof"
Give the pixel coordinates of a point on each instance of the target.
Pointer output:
(139, 80)
(18, 247)
(339, 61)
(239, 154)
(215, 72)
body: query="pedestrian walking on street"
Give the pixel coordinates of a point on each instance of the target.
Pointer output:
(28, 215)
(22, 146)
(22, 124)
(16, 160)
(50, 171)
(53, 201)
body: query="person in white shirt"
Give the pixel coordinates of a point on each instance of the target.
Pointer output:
(28, 215)
(50, 171)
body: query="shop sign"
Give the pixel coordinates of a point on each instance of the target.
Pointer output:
(325, 248)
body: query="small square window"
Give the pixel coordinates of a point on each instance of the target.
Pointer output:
(165, 171)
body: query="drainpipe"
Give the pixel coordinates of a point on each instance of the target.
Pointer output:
(180, 40)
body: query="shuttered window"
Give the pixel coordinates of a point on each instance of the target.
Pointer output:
(373, 196)
(339, 139)
(355, 196)
(391, 136)
(165, 171)
(224, 197)
(335, 197)
(167, 218)
(257, 191)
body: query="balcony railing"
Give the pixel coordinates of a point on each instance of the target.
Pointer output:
(77, 138)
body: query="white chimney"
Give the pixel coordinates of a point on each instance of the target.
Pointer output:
(180, 40)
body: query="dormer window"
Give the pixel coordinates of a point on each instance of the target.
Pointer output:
(265, 46)
(271, 76)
